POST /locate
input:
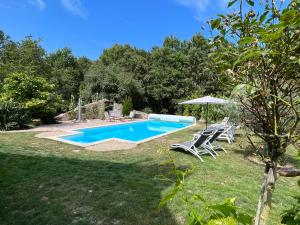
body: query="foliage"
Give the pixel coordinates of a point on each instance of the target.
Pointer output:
(147, 110)
(12, 116)
(186, 110)
(161, 76)
(154, 79)
(95, 110)
(215, 112)
(266, 81)
(192, 110)
(72, 104)
(202, 211)
(60, 68)
(72, 115)
(26, 55)
(233, 112)
(66, 72)
(127, 106)
(101, 110)
(259, 51)
(92, 111)
(111, 82)
(292, 215)
(33, 93)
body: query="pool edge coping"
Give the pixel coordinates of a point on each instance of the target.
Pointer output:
(73, 132)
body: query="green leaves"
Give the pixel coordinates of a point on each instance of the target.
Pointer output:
(231, 3)
(263, 17)
(223, 221)
(168, 197)
(270, 35)
(246, 40)
(250, 2)
(200, 210)
(243, 90)
(215, 23)
(12, 115)
(288, 15)
(127, 106)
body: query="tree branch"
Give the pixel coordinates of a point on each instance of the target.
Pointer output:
(289, 172)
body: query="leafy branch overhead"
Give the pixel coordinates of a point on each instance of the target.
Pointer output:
(259, 50)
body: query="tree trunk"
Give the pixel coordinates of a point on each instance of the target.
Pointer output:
(265, 196)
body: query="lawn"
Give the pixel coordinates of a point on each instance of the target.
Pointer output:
(47, 182)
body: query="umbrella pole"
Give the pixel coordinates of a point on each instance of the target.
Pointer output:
(206, 114)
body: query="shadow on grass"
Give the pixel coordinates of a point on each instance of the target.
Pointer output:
(288, 159)
(247, 151)
(52, 190)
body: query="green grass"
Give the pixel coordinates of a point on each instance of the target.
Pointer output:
(47, 182)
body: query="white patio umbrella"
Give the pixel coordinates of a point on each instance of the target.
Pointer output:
(205, 101)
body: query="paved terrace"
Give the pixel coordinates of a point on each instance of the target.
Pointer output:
(65, 128)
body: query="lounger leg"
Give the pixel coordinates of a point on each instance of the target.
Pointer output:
(212, 148)
(220, 147)
(210, 152)
(214, 151)
(207, 150)
(228, 139)
(195, 153)
(199, 157)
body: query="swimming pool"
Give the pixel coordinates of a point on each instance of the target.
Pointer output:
(135, 132)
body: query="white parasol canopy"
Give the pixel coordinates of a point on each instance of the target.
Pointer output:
(205, 101)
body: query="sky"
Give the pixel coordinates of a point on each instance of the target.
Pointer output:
(89, 26)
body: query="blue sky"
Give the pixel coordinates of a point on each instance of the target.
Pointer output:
(89, 26)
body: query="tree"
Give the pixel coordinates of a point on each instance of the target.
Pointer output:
(26, 55)
(33, 93)
(8, 53)
(67, 72)
(133, 61)
(198, 67)
(260, 52)
(166, 74)
(168, 81)
(110, 82)
(127, 106)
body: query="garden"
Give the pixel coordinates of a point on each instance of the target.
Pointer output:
(251, 58)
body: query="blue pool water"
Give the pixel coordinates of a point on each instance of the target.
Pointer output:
(135, 132)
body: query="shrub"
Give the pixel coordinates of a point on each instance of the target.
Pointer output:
(127, 106)
(12, 116)
(101, 110)
(72, 104)
(72, 114)
(33, 93)
(233, 112)
(147, 110)
(186, 111)
(92, 111)
(215, 112)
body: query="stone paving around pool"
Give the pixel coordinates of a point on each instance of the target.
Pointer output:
(66, 128)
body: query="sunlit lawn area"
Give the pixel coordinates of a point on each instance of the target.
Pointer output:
(47, 182)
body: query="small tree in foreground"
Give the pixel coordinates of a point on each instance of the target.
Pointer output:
(260, 51)
(201, 211)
